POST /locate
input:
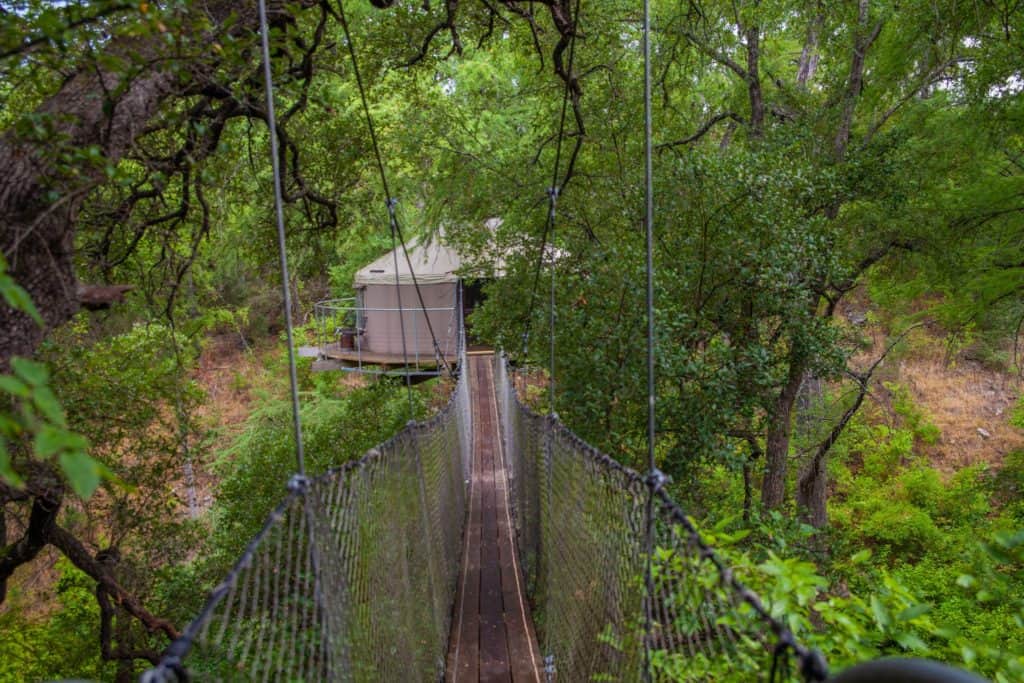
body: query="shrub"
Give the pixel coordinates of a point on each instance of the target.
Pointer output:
(907, 530)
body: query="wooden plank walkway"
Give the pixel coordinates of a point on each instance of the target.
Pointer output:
(492, 636)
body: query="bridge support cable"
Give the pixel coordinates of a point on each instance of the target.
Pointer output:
(388, 531)
(655, 479)
(268, 82)
(583, 558)
(395, 225)
(393, 222)
(548, 235)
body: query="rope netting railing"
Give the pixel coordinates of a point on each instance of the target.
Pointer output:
(580, 521)
(352, 576)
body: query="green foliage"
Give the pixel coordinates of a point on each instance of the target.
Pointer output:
(57, 641)
(38, 416)
(869, 612)
(914, 418)
(1008, 485)
(1017, 414)
(257, 467)
(937, 542)
(16, 297)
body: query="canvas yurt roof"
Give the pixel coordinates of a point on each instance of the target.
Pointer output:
(433, 262)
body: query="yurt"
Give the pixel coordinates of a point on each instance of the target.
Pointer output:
(386, 298)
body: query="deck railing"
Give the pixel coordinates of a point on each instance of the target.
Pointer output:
(342, 329)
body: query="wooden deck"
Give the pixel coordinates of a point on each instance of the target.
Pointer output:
(353, 357)
(492, 636)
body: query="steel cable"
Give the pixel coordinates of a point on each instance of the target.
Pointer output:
(395, 225)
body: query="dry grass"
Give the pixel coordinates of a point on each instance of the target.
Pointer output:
(230, 375)
(958, 395)
(961, 399)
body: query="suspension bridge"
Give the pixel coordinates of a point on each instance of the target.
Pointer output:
(489, 542)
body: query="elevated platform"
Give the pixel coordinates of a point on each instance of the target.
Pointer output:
(355, 357)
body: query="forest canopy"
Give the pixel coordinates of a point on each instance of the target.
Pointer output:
(839, 187)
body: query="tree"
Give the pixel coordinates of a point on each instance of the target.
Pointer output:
(115, 143)
(801, 148)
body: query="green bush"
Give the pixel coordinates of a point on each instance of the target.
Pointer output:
(905, 529)
(923, 488)
(257, 467)
(915, 419)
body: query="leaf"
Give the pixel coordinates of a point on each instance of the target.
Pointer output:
(861, 557)
(7, 472)
(83, 472)
(51, 440)
(14, 386)
(9, 427)
(47, 404)
(913, 612)
(30, 371)
(966, 581)
(18, 299)
(911, 641)
(882, 617)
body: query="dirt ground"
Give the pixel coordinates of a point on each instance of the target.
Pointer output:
(969, 402)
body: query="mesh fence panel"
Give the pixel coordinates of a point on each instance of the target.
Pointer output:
(352, 576)
(581, 525)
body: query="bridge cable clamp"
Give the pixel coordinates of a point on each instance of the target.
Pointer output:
(549, 668)
(552, 202)
(170, 669)
(656, 480)
(299, 483)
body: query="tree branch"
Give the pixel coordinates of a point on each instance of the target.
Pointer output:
(81, 558)
(41, 522)
(703, 130)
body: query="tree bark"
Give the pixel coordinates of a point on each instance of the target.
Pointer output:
(780, 427)
(809, 56)
(753, 38)
(812, 493)
(862, 42)
(38, 230)
(41, 522)
(83, 559)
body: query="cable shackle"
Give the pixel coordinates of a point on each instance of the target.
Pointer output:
(552, 205)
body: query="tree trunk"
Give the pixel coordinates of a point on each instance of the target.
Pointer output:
(812, 493)
(753, 38)
(780, 427)
(809, 56)
(863, 40)
(39, 201)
